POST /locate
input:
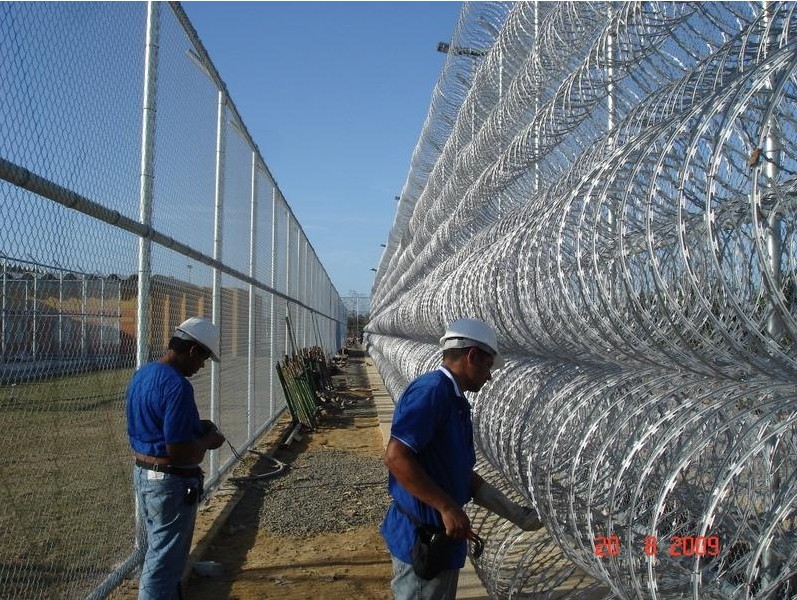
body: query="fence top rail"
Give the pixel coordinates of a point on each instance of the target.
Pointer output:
(26, 179)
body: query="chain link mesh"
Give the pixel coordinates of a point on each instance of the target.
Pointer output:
(72, 82)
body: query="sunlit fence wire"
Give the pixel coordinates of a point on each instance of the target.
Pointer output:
(120, 218)
(612, 186)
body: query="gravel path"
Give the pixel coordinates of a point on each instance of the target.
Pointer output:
(326, 491)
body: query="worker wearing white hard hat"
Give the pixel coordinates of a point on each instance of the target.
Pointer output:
(203, 331)
(169, 442)
(472, 333)
(430, 457)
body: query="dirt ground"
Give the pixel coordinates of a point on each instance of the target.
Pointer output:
(256, 564)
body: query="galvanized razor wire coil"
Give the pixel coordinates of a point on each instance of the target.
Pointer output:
(617, 198)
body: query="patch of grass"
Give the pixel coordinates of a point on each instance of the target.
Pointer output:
(63, 390)
(65, 487)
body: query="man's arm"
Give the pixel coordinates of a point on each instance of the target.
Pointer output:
(493, 500)
(404, 466)
(192, 453)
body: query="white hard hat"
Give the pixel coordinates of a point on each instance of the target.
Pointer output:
(203, 331)
(468, 333)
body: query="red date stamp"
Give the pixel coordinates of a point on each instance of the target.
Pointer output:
(679, 546)
(607, 546)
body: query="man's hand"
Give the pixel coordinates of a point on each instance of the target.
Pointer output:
(404, 466)
(192, 453)
(213, 438)
(456, 523)
(493, 500)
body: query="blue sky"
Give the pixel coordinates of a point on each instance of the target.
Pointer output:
(335, 95)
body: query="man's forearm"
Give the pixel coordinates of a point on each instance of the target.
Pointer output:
(405, 467)
(409, 473)
(187, 453)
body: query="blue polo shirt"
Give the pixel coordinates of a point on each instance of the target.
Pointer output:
(160, 409)
(432, 417)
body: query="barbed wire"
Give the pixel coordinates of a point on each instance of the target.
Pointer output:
(617, 198)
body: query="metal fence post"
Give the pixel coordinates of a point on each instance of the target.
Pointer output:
(145, 207)
(250, 400)
(147, 176)
(287, 278)
(84, 307)
(102, 314)
(215, 373)
(118, 338)
(273, 283)
(147, 180)
(60, 310)
(301, 286)
(34, 340)
(4, 333)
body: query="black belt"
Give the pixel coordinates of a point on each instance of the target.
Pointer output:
(171, 469)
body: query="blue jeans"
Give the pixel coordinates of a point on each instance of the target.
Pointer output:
(169, 524)
(406, 585)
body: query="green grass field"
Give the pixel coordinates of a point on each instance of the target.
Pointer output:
(67, 504)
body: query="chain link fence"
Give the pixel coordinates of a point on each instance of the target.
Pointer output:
(612, 186)
(121, 218)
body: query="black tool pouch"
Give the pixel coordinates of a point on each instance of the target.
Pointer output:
(430, 552)
(193, 493)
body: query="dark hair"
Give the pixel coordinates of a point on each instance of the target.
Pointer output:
(182, 346)
(455, 354)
